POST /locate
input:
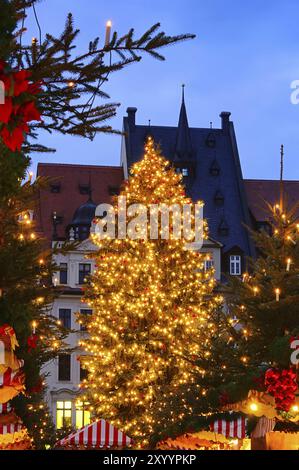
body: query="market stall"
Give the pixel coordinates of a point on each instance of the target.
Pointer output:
(97, 435)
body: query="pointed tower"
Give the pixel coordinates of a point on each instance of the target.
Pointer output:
(183, 158)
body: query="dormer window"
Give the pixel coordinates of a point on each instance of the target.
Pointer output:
(211, 141)
(215, 168)
(235, 265)
(223, 228)
(183, 171)
(219, 198)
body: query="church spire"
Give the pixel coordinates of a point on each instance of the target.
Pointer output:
(183, 146)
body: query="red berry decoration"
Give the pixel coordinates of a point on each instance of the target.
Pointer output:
(282, 385)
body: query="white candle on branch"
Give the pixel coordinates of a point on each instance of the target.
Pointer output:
(277, 294)
(108, 32)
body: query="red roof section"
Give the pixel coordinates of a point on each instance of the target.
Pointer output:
(259, 191)
(103, 178)
(64, 203)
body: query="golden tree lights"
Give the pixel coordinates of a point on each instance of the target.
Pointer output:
(151, 301)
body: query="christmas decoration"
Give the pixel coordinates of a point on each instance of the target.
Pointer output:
(19, 106)
(152, 302)
(265, 303)
(282, 385)
(13, 434)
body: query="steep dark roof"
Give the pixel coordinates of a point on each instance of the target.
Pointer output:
(204, 185)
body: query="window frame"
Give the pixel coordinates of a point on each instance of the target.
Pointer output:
(83, 312)
(69, 310)
(64, 409)
(63, 271)
(235, 265)
(60, 356)
(78, 406)
(85, 273)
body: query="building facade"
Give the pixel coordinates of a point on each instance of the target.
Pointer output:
(209, 162)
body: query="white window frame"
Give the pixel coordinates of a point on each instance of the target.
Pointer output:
(209, 264)
(235, 265)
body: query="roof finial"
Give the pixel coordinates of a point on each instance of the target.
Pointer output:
(183, 92)
(149, 123)
(281, 186)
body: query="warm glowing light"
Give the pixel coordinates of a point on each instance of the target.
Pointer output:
(277, 294)
(295, 408)
(34, 325)
(253, 407)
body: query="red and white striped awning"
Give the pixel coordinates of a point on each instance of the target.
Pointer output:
(97, 434)
(10, 428)
(234, 429)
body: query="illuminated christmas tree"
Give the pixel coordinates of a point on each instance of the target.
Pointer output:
(152, 303)
(264, 311)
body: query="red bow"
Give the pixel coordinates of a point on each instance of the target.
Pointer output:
(32, 342)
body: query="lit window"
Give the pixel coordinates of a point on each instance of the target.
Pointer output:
(185, 171)
(63, 273)
(84, 271)
(63, 414)
(235, 265)
(82, 414)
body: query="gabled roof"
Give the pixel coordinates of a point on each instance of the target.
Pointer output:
(208, 145)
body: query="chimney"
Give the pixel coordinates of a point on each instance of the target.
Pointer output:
(131, 118)
(225, 120)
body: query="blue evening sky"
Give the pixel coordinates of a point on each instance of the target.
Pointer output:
(243, 60)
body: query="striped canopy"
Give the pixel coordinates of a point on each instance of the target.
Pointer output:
(97, 434)
(234, 429)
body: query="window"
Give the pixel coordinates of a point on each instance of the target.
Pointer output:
(55, 188)
(209, 264)
(65, 317)
(84, 270)
(63, 273)
(64, 367)
(113, 190)
(84, 188)
(85, 311)
(183, 171)
(82, 414)
(63, 414)
(235, 265)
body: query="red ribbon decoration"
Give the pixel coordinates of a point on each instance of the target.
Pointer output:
(32, 342)
(19, 107)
